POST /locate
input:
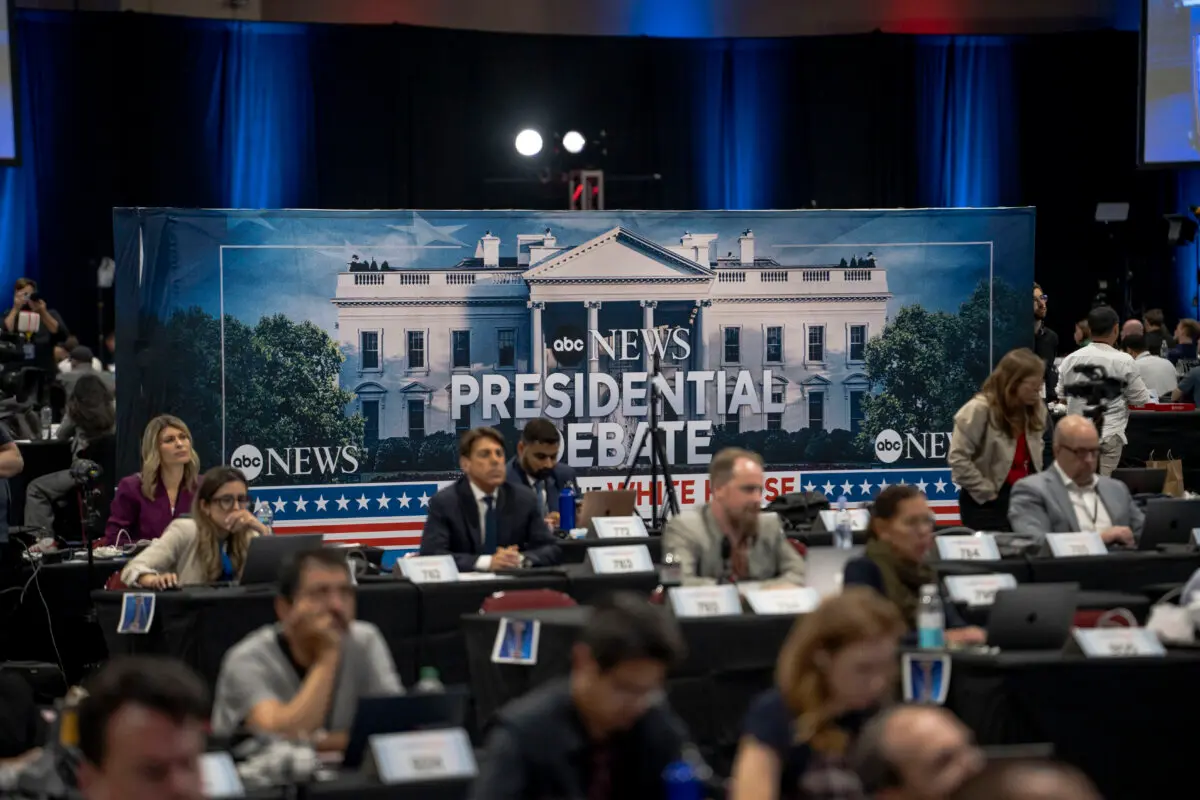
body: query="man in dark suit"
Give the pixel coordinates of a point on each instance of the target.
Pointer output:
(485, 523)
(536, 467)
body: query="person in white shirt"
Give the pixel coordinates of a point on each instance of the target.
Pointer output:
(1104, 322)
(1070, 497)
(1157, 372)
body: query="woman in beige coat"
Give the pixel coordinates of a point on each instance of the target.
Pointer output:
(998, 440)
(208, 547)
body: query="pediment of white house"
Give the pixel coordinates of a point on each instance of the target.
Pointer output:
(619, 256)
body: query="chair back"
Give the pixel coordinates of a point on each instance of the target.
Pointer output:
(114, 583)
(526, 600)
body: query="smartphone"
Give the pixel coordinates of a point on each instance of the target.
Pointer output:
(35, 297)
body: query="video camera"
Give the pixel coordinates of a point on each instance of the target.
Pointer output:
(1096, 391)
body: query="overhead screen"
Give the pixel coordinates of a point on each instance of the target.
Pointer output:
(8, 118)
(1171, 82)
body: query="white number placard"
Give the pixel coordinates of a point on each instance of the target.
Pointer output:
(705, 601)
(980, 547)
(784, 600)
(615, 560)
(860, 519)
(619, 527)
(219, 776)
(430, 569)
(1118, 642)
(978, 590)
(1068, 545)
(418, 756)
(1196, 536)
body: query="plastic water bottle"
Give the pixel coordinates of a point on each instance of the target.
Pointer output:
(265, 515)
(1162, 348)
(429, 682)
(566, 508)
(843, 533)
(47, 419)
(681, 782)
(931, 619)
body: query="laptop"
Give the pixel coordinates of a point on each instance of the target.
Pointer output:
(606, 503)
(268, 553)
(1142, 480)
(402, 713)
(1033, 616)
(1169, 522)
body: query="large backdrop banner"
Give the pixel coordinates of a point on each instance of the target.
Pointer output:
(335, 356)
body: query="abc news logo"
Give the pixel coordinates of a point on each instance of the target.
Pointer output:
(249, 460)
(569, 345)
(889, 446)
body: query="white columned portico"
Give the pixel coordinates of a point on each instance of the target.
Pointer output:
(699, 342)
(539, 344)
(648, 307)
(590, 365)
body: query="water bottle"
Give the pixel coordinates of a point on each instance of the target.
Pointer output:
(47, 419)
(429, 683)
(681, 782)
(843, 533)
(931, 619)
(1163, 349)
(265, 515)
(566, 508)
(670, 573)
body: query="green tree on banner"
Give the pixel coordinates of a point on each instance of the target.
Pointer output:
(281, 384)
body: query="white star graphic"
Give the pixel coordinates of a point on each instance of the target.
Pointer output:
(362, 502)
(280, 505)
(343, 503)
(956, 487)
(883, 484)
(405, 500)
(847, 488)
(383, 501)
(424, 498)
(301, 504)
(424, 233)
(828, 487)
(866, 486)
(321, 503)
(903, 482)
(808, 487)
(940, 485)
(921, 486)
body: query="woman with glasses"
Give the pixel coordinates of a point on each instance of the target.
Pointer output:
(900, 537)
(997, 440)
(210, 546)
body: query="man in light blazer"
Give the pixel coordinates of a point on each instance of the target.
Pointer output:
(729, 539)
(1070, 496)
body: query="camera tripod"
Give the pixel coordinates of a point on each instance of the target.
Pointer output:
(658, 456)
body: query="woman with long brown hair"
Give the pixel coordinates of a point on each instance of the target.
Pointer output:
(836, 668)
(997, 440)
(146, 502)
(211, 546)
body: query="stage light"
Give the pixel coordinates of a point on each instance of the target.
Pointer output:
(529, 142)
(573, 142)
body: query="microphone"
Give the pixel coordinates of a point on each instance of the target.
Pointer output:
(726, 553)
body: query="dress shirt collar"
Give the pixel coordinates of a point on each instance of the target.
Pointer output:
(1069, 483)
(480, 493)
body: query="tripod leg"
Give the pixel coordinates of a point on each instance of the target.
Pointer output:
(671, 503)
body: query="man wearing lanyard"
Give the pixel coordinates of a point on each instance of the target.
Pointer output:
(1070, 496)
(536, 467)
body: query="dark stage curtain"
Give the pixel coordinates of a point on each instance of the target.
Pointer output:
(126, 109)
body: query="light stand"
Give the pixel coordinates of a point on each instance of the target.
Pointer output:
(658, 456)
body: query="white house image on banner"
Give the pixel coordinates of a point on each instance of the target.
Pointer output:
(406, 332)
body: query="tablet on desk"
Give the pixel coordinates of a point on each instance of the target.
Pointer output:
(267, 554)
(1169, 522)
(400, 713)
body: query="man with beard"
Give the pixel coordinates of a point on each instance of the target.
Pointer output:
(536, 467)
(303, 676)
(1045, 341)
(729, 538)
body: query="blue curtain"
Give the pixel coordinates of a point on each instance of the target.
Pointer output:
(736, 122)
(966, 138)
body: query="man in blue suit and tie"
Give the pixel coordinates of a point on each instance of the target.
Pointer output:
(484, 522)
(536, 467)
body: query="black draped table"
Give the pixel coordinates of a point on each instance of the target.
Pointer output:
(1131, 571)
(1128, 723)
(360, 787)
(421, 622)
(574, 551)
(729, 661)
(1155, 434)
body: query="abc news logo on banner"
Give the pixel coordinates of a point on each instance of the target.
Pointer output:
(570, 344)
(295, 461)
(890, 446)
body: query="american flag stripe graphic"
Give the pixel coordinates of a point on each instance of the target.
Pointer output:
(392, 515)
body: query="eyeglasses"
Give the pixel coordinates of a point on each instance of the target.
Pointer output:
(1082, 452)
(227, 502)
(1042, 297)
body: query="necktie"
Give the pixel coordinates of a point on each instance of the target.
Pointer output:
(489, 526)
(541, 493)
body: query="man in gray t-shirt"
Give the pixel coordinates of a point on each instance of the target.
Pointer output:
(306, 673)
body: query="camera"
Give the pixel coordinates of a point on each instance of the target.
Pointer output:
(1097, 390)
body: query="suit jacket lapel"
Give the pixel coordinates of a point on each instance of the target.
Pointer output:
(1059, 492)
(1111, 500)
(470, 510)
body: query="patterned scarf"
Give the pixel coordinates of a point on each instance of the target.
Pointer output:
(902, 579)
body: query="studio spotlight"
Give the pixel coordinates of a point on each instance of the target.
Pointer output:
(573, 142)
(529, 142)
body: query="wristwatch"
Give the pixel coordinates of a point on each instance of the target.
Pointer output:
(524, 561)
